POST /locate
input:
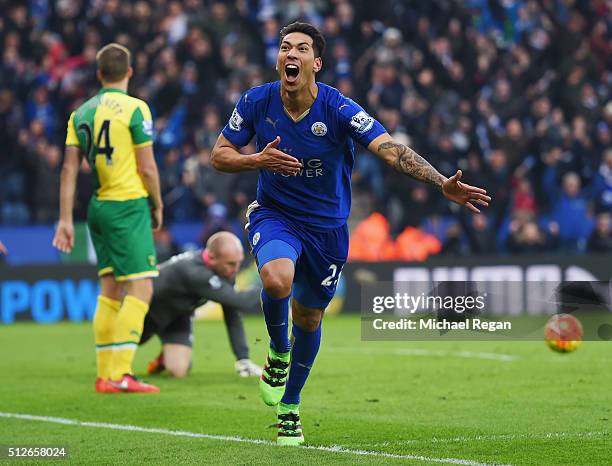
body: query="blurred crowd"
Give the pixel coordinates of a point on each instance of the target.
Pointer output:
(516, 93)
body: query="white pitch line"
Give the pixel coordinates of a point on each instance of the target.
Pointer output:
(542, 436)
(493, 438)
(230, 438)
(434, 353)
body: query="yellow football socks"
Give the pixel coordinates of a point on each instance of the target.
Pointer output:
(104, 322)
(128, 330)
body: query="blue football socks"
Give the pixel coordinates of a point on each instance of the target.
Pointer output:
(276, 313)
(305, 349)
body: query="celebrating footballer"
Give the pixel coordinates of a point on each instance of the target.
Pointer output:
(305, 133)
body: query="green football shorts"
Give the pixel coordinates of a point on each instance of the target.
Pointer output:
(123, 239)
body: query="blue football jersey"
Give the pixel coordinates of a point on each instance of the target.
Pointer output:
(320, 195)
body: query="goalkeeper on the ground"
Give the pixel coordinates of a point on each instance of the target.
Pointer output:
(187, 281)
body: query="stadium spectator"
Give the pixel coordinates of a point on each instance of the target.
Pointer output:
(497, 181)
(215, 221)
(413, 244)
(601, 238)
(522, 196)
(453, 243)
(478, 229)
(38, 107)
(370, 238)
(602, 184)
(165, 246)
(44, 161)
(3, 252)
(571, 212)
(528, 238)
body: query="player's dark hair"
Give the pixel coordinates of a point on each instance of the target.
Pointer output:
(113, 61)
(318, 41)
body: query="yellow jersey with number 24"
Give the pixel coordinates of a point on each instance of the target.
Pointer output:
(108, 128)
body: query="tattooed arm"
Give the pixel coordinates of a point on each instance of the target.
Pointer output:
(408, 162)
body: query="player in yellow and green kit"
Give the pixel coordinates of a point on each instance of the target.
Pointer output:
(115, 132)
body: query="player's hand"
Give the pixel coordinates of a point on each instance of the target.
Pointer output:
(157, 218)
(464, 194)
(277, 161)
(3, 249)
(64, 237)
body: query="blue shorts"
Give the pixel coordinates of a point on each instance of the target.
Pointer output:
(318, 255)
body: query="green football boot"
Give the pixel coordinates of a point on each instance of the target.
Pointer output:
(289, 426)
(274, 377)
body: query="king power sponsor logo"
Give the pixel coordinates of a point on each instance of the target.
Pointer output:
(47, 301)
(48, 294)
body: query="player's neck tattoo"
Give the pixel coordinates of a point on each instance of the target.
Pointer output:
(408, 162)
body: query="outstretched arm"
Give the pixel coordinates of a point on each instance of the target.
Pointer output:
(235, 332)
(226, 157)
(405, 160)
(202, 282)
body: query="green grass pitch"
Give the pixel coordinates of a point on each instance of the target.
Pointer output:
(382, 402)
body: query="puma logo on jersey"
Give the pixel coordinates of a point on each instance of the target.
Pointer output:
(272, 122)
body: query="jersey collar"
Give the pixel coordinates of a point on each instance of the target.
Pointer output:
(300, 118)
(104, 90)
(306, 112)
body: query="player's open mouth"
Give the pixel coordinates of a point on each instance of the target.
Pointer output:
(292, 72)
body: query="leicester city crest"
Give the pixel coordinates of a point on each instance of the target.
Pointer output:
(318, 128)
